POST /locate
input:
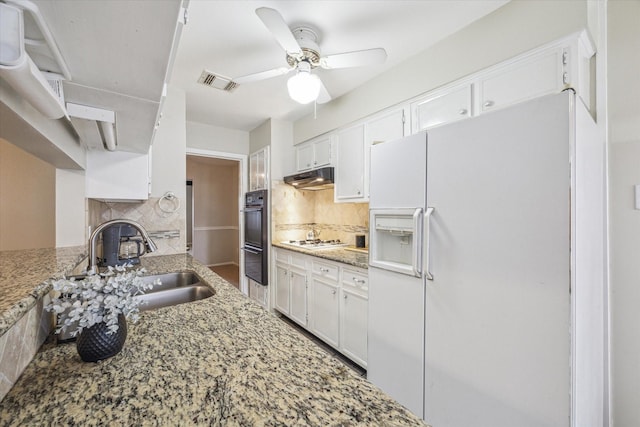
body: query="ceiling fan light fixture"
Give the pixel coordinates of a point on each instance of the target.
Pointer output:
(304, 87)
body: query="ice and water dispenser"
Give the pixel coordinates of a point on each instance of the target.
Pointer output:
(395, 240)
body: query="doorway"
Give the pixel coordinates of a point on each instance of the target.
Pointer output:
(216, 181)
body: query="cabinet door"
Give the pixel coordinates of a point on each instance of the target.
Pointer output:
(537, 76)
(304, 157)
(353, 326)
(282, 289)
(350, 164)
(298, 310)
(117, 175)
(258, 293)
(325, 311)
(449, 107)
(322, 152)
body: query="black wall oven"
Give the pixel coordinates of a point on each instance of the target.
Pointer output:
(256, 229)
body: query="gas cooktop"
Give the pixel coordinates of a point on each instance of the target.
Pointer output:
(315, 244)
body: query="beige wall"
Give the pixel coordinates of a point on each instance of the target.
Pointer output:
(215, 195)
(624, 171)
(27, 200)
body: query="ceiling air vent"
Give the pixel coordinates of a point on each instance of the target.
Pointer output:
(216, 81)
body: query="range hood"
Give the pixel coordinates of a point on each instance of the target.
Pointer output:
(317, 179)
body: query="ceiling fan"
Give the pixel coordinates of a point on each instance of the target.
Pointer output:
(303, 55)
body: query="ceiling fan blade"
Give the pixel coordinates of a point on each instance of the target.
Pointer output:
(324, 96)
(263, 75)
(274, 22)
(354, 59)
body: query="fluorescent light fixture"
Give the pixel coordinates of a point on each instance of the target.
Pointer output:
(304, 87)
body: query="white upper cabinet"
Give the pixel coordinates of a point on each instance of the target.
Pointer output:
(560, 65)
(258, 167)
(440, 108)
(118, 175)
(536, 76)
(314, 153)
(350, 164)
(353, 152)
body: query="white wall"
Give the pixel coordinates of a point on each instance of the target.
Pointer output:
(624, 172)
(513, 29)
(70, 208)
(216, 138)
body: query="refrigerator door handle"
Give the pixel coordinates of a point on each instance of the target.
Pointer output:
(417, 243)
(427, 234)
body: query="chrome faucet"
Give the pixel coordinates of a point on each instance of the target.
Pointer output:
(93, 263)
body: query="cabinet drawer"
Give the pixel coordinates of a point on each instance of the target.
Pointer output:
(298, 260)
(281, 256)
(328, 271)
(355, 280)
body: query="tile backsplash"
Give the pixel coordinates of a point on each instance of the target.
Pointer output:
(168, 229)
(294, 212)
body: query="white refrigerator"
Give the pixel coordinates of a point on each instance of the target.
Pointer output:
(487, 268)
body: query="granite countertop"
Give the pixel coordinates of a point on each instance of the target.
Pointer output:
(22, 274)
(220, 361)
(356, 258)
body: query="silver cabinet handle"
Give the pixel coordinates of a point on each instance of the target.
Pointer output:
(344, 296)
(427, 230)
(333, 292)
(463, 111)
(358, 280)
(324, 270)
(488, 104)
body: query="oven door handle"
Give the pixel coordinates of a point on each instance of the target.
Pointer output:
(251, 251)
(251, 209)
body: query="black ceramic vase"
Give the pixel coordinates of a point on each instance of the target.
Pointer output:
(95, 344)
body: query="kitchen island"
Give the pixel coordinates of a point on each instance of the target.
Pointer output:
(219, 361)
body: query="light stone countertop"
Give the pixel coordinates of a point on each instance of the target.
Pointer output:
(22, 274)
(221, 361)
(345, 256)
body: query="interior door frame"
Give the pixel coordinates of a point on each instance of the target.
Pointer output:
(242, 159)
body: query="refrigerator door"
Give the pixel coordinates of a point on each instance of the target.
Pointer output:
(398, 173)
(498, 307)
(396, 336)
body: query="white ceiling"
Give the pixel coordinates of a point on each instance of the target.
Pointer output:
(227, 38)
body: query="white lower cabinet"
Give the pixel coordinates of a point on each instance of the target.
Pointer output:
(298, 307)
(324, 307)
(354, 304)
(290, 288)
(327, 298)
(282, 286)
(259, 293)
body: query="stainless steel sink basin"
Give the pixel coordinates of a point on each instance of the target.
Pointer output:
(172, 280)
(174, 288)
(181, 295)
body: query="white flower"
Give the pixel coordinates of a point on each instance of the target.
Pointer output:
(98, 298)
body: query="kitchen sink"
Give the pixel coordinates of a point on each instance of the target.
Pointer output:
(175, 296)
(174, 288)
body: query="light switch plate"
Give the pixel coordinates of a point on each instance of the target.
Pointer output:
(637, 196)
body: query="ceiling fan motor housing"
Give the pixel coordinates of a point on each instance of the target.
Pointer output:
(307, 39)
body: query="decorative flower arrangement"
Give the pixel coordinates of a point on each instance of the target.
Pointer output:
(99, 298)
